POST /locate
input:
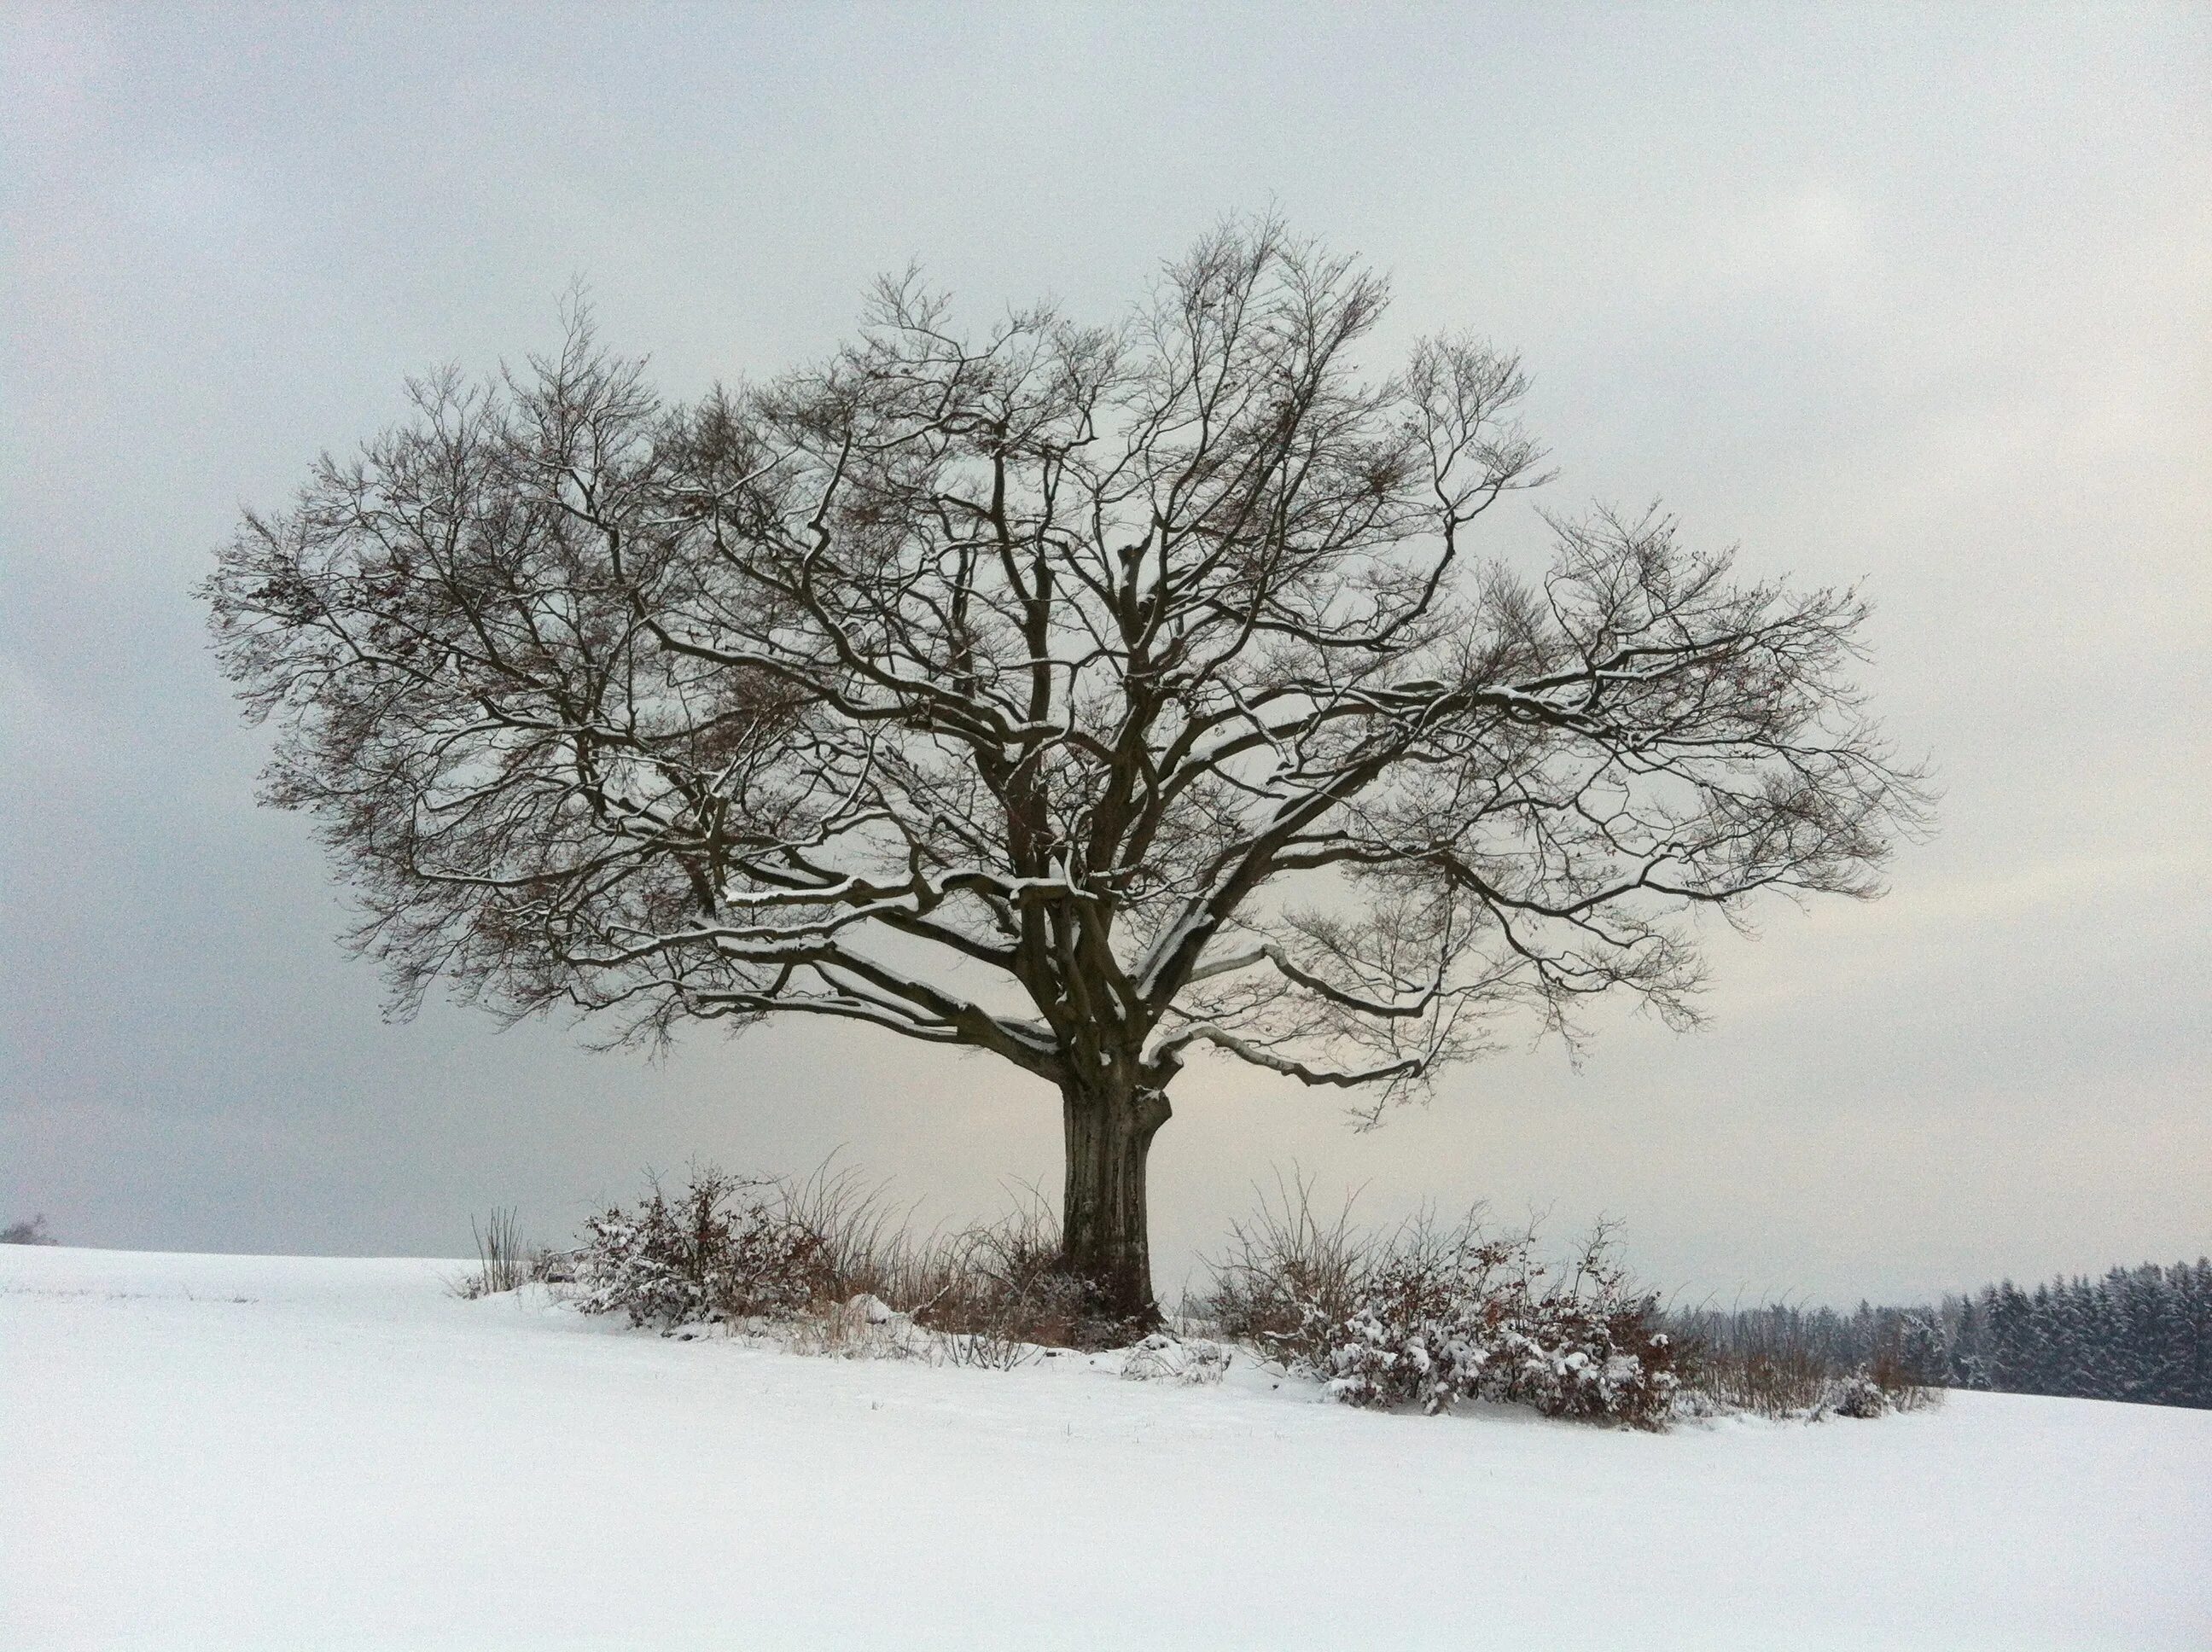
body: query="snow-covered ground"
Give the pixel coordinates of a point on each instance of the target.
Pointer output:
(243, 1452)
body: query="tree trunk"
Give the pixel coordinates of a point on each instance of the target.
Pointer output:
(1103, 1234)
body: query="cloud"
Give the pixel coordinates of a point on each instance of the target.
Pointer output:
(1914, 302)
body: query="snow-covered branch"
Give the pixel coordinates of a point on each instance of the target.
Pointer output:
(1081, 693)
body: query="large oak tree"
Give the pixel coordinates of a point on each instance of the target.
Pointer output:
(1092, 695)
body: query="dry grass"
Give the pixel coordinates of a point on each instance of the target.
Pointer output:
(863, 1328)
(1286, 1272)
(503, 1261)
(860, 1242)
(987, 1294)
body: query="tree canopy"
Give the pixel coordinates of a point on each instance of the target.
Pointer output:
(1090, 694)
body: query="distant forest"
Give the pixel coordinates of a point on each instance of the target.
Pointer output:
(2142, 1335)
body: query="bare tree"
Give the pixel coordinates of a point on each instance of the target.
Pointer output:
(1083, 694)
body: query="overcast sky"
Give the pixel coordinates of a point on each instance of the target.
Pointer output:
(1919, 295)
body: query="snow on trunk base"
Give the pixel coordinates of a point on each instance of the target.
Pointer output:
(247, 1452)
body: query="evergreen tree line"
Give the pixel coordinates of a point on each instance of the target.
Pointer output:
(2142, 1335)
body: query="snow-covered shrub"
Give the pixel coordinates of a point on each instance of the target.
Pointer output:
(726, 1247)
(1194, 1361)
(1431, 1315)
(1857, 1395)
(1455, 1314)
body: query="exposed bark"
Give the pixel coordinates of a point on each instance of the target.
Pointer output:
(1105, 1235)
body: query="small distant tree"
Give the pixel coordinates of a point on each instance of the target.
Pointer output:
(33, 1232)
(1091, 695)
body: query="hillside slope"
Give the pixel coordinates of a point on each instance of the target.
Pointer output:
(236, 1452)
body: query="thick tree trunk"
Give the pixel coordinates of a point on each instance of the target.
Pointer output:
(1104, 1232)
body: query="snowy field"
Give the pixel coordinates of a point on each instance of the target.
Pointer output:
(269, 1452)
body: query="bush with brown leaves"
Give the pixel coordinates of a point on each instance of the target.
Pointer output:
(1431, 1313)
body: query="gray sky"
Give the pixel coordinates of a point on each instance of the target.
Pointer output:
(1923, 295)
